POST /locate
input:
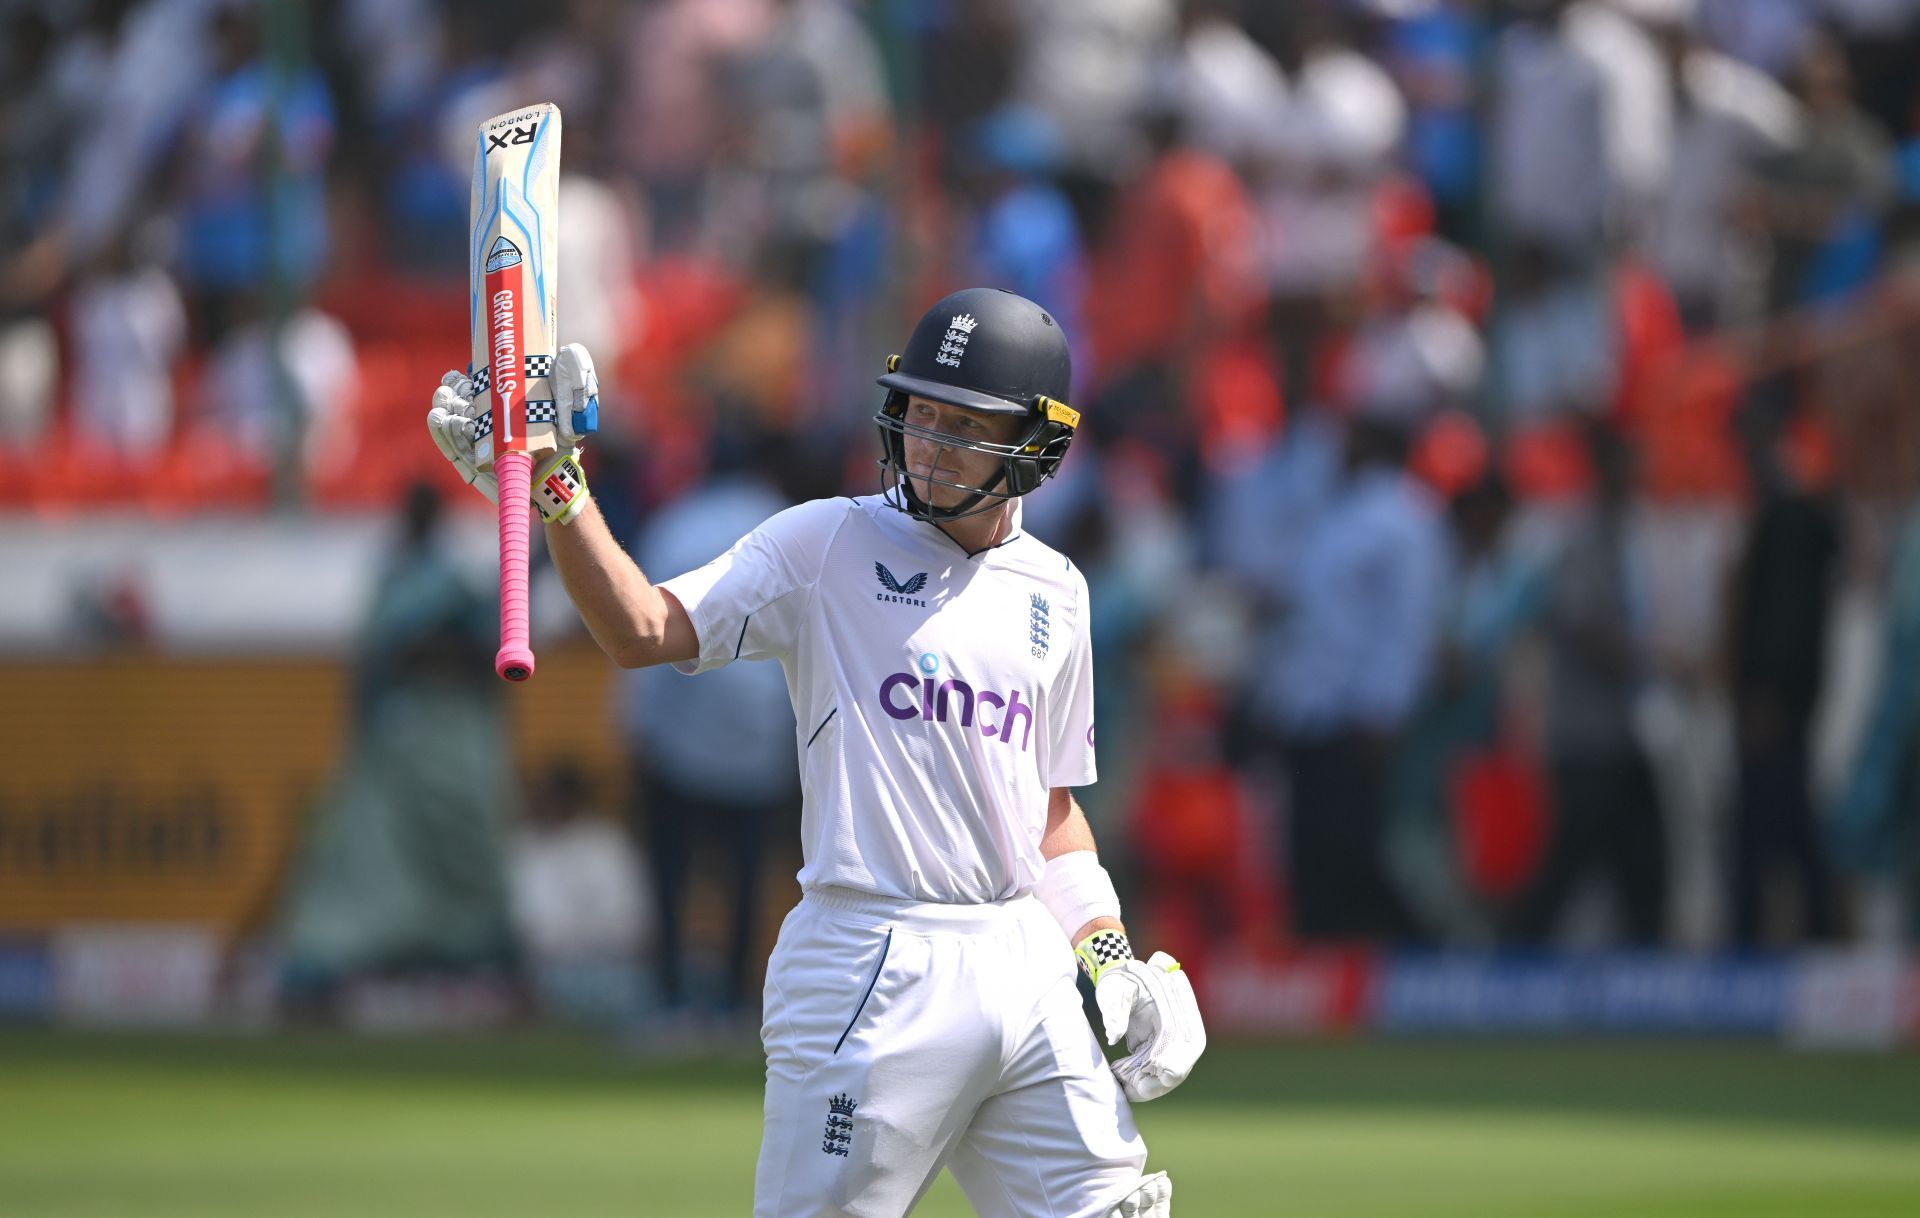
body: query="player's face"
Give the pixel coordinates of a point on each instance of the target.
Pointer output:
(930, 463)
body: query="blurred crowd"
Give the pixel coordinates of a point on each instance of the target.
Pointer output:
(1499, 458)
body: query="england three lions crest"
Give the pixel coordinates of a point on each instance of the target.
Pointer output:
(837, 1138)
(954, 345)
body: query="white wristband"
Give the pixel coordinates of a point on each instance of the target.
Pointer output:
(1076, 889)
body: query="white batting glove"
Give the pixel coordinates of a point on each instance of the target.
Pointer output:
(1153, 1198)
(1152, 1005)
(559, 484)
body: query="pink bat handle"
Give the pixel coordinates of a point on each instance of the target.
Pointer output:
(515, 472)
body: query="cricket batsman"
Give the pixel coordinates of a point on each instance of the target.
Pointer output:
(920, 1008)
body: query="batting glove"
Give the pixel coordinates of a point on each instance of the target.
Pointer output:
(1152, 1005)
(1153, 1198)
(461, 416)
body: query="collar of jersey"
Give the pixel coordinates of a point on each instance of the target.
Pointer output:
(936, 537)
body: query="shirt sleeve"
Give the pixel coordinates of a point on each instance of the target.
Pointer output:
(748, 603)
(1070, 759)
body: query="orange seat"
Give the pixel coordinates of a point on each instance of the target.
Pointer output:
(74, 474)
(205, 471)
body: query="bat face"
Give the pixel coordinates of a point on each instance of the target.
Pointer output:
(513, 280)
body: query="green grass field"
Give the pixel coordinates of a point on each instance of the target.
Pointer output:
(285, 1125)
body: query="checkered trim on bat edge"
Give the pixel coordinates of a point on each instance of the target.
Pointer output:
(483, 426)
(539, 365)
(1102, 950)
(481, 380)
(541, 410)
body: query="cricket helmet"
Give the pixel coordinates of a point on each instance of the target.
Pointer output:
(983, 349)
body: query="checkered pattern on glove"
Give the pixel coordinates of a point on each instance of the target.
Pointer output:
(1102, 950)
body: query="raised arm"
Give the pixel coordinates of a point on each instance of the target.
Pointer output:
(635, 622)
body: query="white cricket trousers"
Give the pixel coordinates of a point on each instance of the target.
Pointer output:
(904, 1037)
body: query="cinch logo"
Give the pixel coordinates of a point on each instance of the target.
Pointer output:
(906, 695)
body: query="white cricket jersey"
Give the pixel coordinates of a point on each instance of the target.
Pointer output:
(938, 697)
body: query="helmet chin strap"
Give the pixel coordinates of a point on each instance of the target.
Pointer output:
(924, 510)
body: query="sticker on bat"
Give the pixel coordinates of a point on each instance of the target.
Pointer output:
(503, 254)
(519, 135)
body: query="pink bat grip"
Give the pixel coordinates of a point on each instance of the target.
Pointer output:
(515, 472)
